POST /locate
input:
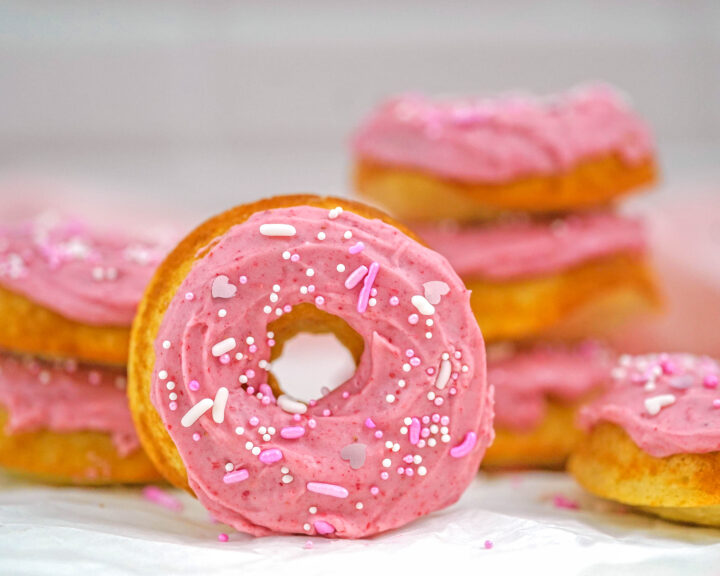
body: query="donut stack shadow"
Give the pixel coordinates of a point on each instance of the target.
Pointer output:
(521, 195)
(68, 294)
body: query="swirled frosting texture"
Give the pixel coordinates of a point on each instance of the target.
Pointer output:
(500, 140)
(527, 248)
(403, 437)
(667, 403)
(66, 397)
(524, 380)
(77, 270)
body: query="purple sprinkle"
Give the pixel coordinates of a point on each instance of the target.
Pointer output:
(369, 423)
(367, 286)
(324, 528)
(194, 385)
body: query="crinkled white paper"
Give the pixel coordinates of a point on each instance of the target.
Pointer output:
(71, 531)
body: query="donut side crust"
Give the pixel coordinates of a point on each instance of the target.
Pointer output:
(545, 446)
(412, 194)
(609, 464)
(160, 292)
(79, 458)
(29, 328)
(590, 299)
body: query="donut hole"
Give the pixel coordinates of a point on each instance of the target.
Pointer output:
(314, 353)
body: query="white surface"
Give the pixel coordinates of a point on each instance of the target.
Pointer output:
(70, 531)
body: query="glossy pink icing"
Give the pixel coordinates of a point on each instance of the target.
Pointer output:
(498, 140)
(667, 403)
(66, 397)
(79, 271)
(524, 380)
(526, 248)
(403, 437)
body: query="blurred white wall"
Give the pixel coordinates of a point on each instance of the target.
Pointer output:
(210, 103)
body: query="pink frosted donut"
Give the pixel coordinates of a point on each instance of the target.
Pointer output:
(402, 437)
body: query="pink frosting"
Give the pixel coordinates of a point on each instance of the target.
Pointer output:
(66, 397)
(402, 437)
(525, 380)
(526, 248)
(84, 274)
(496, 141)
(667, 403)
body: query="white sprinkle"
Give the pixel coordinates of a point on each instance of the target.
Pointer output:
(422, 471)
(285, 470)
(222, 313)
(276, 288)
(277, 230)
(422, 305)
(170, 385)
(162, 374)
(291, 405)
(310, 272)
(218, 410)
(417, 459)
(443, 375)
(248, 445)
(229, 467)
(389, 444)
(255, 451)
(428, 335)
(166, 344)
(262, 430)
(321, 236)
(312, 510)
(223, 347)
(303, 290)
(387, 463)
(372, 302)
(656, 403)
(267, 437)
(431, 442)
(239, 430)
(172, 396)
(403, 430)
(274, 297)
(335, 212)
(429, 322)
(249, 340)
(359, 505)
(401, 383)
(431, 395)
(445, 438)
(341, 267)
(407, 421)
(243, 379)
(306, 527)
(390, 398)
(271, 430)
(434, 428)
(406, 367)
(267, 309)
(464, 369)
(192, 415)
(287, 479)
(286, 255)
(347, 235)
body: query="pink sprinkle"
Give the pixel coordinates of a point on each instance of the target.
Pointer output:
(346, 394)
(327, 489)
(367, 286)
(445, 420)
(296, 417)
(357, 248)
(270, 456)
(319, 300)
(194, 385)
(287, 307)
(224, 359)
(401, 470)
(488, 545)
(394, 301)
(374, 490)
(355, 276)
(250, 373)
(292, 432)
(196, 436)
(252, 349)
(413, 319)
(409, 352)
(312, 423)
(436, 417)
(668, 367)
(369, 423)
(430, 371)
(710, 381)
(236, 476)
(271, 342)
(254, 421)
(438, 401)
(716, 403)
(326, 412)
(425, 432)
(384, 475)
(465, 447)
(415, 361)
(373, 292)
(243, 279)
(426, 419)
(409, 471)
(94, 377)
(223, 537)
(267, 392)
(562, 502)
(308, 545)
(266, 400)
(311, 288)
(415, 431)
(452, 391)
(172, 406)
(189, 296)
(161, 498)
(295, 258)
(250, 390)
(378, 434)
(323, 528)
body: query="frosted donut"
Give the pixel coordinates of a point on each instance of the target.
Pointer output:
(654, 438)
(469, 159)
(402, 437)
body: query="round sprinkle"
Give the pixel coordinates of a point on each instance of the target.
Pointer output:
(310, 272)
(390, 398)
(229, 467)
(321, 236)
(162, 374)
(166, 344)
(286, 255)
(347, 235)
(386, 463)
(312, 509)
(341, 267)
(170, 385)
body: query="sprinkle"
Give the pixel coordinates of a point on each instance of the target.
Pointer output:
(422, 305)
(161, 498)
(223, 347)
(192, 415)
(369, 423)
(291, 405)
(292, 432)
(287, 478)
(335, 212)
(271, 456)
(355, 276)
(347, 235)
(163, 374)
(166, 344)
(464, 448)
(560, 501)
(422, 471)
(221, 287)
(367, 286)
(716, 403)
(310, 272)
(277, 230)
(341, 268)
(390, 398)
(356, 248)
(414, 431)
(321, 236)
(286, 255)
(236, 476)
(323, 528)
(218, 409)
(327, 489)
(656, 403)
(488, 545)
(223, 537)
(413, 319)
(710, 381)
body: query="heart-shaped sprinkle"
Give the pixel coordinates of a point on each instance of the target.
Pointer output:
(656, 403)
(435, 290)
(355, 454)
(221, 288)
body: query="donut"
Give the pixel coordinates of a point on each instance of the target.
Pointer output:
(67, 423)
(471, 159)
(538, 389)
(567, 277)
(653, 439)
(402, 437)
(69, 289)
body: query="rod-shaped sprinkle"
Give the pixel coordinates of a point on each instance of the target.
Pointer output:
(236, 476)
(443, 374)
(291, 405)
(223, 347)
(218, 409)
(292, 432)
(328, 489)
(422, 305)
(367, 287)
(192, 415)
(277, 230)
(355, 276)
(464, 448)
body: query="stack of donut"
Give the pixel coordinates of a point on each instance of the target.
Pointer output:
(520, 194)
(68, 295)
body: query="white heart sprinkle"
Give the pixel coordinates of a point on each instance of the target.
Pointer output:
(435, 290)
(221, 288)
(355, 454)
(656, 403)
